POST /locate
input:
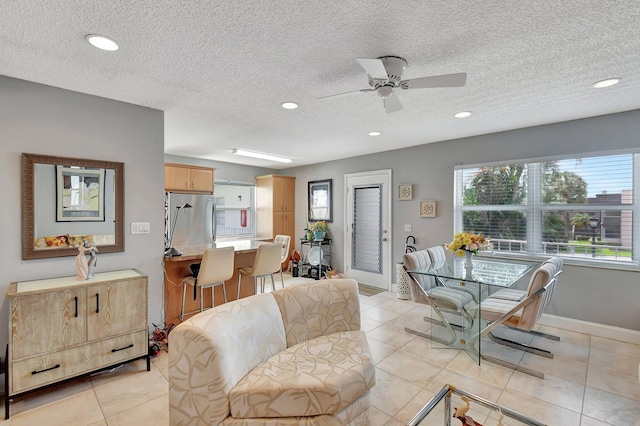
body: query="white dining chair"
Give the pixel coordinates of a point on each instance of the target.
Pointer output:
(424, 289)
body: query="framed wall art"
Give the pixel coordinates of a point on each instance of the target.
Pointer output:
(427, 208)
(320, 207)
(405, 191)
(79, 194)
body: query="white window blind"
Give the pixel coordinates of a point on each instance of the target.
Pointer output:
(583, 207)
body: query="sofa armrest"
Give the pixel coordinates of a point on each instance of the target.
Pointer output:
(212, 351)
(319, 308)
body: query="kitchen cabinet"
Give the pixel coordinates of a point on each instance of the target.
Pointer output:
(190, 179)
(276, 196)
(61, 328)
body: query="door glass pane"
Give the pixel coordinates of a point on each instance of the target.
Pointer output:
(367, 226)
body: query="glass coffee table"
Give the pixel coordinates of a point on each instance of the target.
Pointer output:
(466, 406)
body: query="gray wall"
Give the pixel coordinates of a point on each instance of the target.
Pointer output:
(430, 168)
(45, 120)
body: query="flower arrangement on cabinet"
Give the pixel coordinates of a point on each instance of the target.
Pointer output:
(467, 242)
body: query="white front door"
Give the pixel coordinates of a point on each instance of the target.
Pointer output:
(368, 231)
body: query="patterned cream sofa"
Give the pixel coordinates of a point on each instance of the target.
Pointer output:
(295, 356)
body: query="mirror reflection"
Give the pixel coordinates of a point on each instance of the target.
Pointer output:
(68, 201)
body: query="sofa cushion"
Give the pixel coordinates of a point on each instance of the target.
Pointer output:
(320, 376)
(318, 308)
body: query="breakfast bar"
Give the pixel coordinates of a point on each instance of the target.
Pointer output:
(176, 268)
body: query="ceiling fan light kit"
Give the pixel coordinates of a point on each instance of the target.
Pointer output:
(385, 75)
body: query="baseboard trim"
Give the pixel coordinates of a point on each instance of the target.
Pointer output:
(592, 328)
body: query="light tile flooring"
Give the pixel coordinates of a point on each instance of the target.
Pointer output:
(591, 381)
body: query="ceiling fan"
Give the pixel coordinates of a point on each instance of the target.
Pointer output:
(385, 74)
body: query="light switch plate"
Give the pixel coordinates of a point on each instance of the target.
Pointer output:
(140, 228)
(407, 228)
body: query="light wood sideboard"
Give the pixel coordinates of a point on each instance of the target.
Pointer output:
(61, 328)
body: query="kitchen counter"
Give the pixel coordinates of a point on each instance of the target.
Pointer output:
(177, 268)
(195, 252)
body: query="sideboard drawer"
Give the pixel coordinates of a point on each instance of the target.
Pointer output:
(112, 351)
(49, 368)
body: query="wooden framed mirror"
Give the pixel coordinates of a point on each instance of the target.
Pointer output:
(66, 201)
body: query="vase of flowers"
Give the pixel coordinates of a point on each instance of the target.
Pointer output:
(319, 229)
(467, 244)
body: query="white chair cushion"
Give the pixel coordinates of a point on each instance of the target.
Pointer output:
(510, 294)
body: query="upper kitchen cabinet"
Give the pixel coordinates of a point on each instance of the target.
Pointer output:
(276, 199)
(185, 178)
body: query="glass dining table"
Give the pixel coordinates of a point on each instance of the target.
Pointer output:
(461, 328)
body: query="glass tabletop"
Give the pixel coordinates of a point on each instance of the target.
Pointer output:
(460, 327)
(484, 270)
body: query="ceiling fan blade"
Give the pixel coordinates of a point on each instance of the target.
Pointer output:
(446, 80)
(374, 67)
(345, 93)
(392, 103)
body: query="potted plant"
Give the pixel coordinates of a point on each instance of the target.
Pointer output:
(319, 229)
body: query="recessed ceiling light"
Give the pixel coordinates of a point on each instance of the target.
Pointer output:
(289, 105)
(260, 155)
(462, 114)
(606, 83)
(101, 42)
(376, 133)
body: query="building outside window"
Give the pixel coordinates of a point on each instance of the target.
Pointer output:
(235, 209)
(581, 207)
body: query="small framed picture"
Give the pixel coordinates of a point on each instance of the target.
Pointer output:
(427, 208)
(405, 191)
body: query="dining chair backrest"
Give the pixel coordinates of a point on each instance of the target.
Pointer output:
(217, 266)
(416, 260)
(557, 262)
(267, 259)
(285, 241)
(544, 276)
(437, 253)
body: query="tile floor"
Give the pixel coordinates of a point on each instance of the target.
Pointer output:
(591, 381)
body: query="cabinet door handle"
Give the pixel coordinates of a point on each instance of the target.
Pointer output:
(97, 303)
(121, 349)
(75, 299)
(46, 369)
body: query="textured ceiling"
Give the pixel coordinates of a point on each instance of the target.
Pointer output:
(221, 69)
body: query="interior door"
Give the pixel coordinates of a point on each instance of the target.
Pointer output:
(368, 231)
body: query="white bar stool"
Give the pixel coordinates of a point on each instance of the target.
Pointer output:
(216, 268)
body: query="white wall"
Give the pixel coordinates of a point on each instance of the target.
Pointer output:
(583, 292)
(45, 120)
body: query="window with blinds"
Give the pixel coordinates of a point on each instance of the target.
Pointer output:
(584, 207)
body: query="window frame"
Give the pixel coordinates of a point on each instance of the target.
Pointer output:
(534, 208)
(253, 207)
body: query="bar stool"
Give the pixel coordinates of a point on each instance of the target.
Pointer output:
(285, 240)
(216, 268)
(267, 262)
